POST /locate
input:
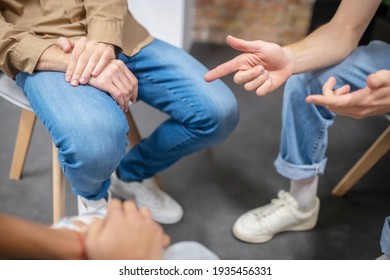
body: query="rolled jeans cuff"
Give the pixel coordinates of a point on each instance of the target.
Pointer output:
(299, 172)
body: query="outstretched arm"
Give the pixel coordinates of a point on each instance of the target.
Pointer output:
(21, 239)
(125, 233)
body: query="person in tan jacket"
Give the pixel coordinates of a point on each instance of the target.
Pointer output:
(80, 64)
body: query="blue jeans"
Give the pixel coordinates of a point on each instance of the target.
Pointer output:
(385, 238)
(90, 130)
(304, 137)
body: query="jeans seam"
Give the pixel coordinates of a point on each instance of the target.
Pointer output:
(315, 148)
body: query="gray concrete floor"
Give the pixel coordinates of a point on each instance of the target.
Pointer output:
(216, 185)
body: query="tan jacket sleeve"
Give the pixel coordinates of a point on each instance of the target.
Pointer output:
(20, 49)
(105, 20)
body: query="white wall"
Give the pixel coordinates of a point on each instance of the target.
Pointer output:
(168, 20)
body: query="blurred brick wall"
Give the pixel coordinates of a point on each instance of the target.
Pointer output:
(279, 21)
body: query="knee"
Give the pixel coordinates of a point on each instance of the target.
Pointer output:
(297, 88)
(217, 118)
(94, 148)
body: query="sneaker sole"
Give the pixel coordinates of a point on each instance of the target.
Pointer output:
(265, 238)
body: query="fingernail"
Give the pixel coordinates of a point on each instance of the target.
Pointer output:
(68, 77)
(83, 80)
(74, 83)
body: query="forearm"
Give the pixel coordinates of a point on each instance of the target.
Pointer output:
(20, 239)
(335, 40)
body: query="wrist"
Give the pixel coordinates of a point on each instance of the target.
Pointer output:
(290, 59)
(70, 246)
(53, 59)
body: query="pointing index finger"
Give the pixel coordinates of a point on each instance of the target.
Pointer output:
(223, 70)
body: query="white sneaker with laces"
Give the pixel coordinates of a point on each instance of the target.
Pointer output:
(262, 224)
(86, 206)
(164, 209)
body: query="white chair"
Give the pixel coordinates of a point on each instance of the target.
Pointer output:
(11, 92)
(377, 150)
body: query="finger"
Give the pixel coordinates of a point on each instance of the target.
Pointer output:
(256, 83)
(117, 95)
(129, 207)
(243, 45)
(224, 69)
(104, 59)
(327, 88)
(82, 63)
(166, 241)
(78, 49)
(342, 90)
(145, 212)
(134, 82)
(242, 77)
(91, 64)
(264, 88)
(65, 44)
(125, 91)
(322, 100)
(379, 79)
(114, 204)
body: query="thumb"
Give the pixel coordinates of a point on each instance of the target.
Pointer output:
(65, 44)
(379, 79)
(242, 45)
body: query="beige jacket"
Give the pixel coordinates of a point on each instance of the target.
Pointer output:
(28, 27)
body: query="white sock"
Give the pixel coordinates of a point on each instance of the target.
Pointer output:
(304, 192)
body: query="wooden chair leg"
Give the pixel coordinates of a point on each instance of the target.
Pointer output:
(377, 150)
(22, 143)
(59, 191)
(135, 136)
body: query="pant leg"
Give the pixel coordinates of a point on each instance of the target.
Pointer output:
(201, 114)
(385, 238)
(85, 124)
(188, 250)
(304, 137)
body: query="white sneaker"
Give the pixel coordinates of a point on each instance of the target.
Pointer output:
(86, 206)
(164, 209)
(261, 224)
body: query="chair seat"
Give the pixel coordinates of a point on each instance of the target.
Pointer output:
(11, 92)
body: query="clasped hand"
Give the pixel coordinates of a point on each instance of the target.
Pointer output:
(95, 64)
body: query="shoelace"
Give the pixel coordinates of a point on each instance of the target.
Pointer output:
(276, 205)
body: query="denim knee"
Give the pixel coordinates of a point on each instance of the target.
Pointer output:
(297, 88)
(90, 152)
(216, 121)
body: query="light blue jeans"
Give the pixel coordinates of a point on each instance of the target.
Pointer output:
(90, 130)
(385, 237)
(304, 137)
